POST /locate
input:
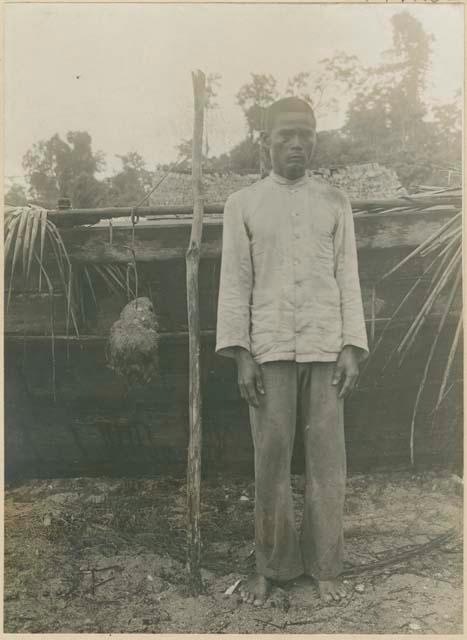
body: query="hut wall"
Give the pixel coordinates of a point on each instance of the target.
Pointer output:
(95, 426)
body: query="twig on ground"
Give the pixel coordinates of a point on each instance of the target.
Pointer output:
(113, 566)
(223, 626)
(272, 624)
(94, 585)
(299, 623)
(349, 599)
(99, 584)
(400, 557)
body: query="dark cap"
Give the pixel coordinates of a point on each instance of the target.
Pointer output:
(286, 105)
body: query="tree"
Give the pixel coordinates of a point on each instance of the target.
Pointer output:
(184, 147)
(448, 124)
(212, 85)
(130, 185)
(47, 169)
(244, 157)
(16, 196)
(325, 85)
(334, 149)
(254, 96)
(386, 116)
(321, 88)
(56, 167)
(87, 192)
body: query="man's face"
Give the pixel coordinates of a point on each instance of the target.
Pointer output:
(291, 143)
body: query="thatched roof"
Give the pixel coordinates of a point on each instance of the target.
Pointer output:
(363, 181)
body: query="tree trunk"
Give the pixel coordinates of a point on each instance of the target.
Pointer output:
(192, 269)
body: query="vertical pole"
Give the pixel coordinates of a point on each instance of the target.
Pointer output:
(192, 268)
(263, 156)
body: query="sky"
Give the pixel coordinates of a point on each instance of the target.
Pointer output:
(122, 72)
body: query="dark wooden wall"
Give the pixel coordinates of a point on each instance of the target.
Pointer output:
(94, 426)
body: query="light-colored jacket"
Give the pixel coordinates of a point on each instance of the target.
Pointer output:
(289, 285)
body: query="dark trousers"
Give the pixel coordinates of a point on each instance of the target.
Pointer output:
(305, 391)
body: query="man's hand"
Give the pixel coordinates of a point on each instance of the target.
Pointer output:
(346, 371)
(250, 380)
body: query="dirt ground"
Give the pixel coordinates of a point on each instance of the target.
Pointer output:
(101, 556)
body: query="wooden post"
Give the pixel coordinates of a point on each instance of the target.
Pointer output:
(264, 162)
(192, 268)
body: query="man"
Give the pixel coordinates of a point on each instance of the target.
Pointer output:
(290, 314)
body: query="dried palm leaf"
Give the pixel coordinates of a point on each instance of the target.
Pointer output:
(18, 243)
(10, 230)
(422, 246)
(422, 315)
(91, 286)
(32, 244)
(444, 273)
(407, 341)
(431, 353)
(27, 241)
(52, 324)
(43, 233)
(398, 309)
(452, 353)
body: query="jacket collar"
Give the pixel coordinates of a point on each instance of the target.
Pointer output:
(285, 181)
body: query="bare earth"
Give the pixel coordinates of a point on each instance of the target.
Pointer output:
(102, 555)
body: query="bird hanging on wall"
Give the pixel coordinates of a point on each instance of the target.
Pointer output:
(134, 342)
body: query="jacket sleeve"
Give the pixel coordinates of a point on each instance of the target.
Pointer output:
(236, 279)
(346, 265)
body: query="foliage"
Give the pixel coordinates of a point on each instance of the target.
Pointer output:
(184, 147)
(244, 157)
(386, 118)
(29, 236)
(213, 81)
(324, 86)
(16, 196)
(333, 148)
(58, 168)
(129, 186)
(86, 191)
(254, 96)
(443, 251)
(26, 233)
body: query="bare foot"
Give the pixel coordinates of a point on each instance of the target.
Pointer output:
(255, 590)
(331, 591)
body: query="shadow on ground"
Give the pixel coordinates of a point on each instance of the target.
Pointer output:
(101, 556)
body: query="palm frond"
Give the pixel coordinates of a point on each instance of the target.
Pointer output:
(27, 233)
(27, 241)
(91, 286)
(428, 363)
(414, 328)
(52, 324)
(421, 247)
(17, 248)
(408, 340)
(398, 309)
(32, 244)
(108, 280)
(43, 233)
(443, 273)
(452, 353)
(10, 230)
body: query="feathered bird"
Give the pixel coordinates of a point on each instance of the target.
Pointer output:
(133, 343)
